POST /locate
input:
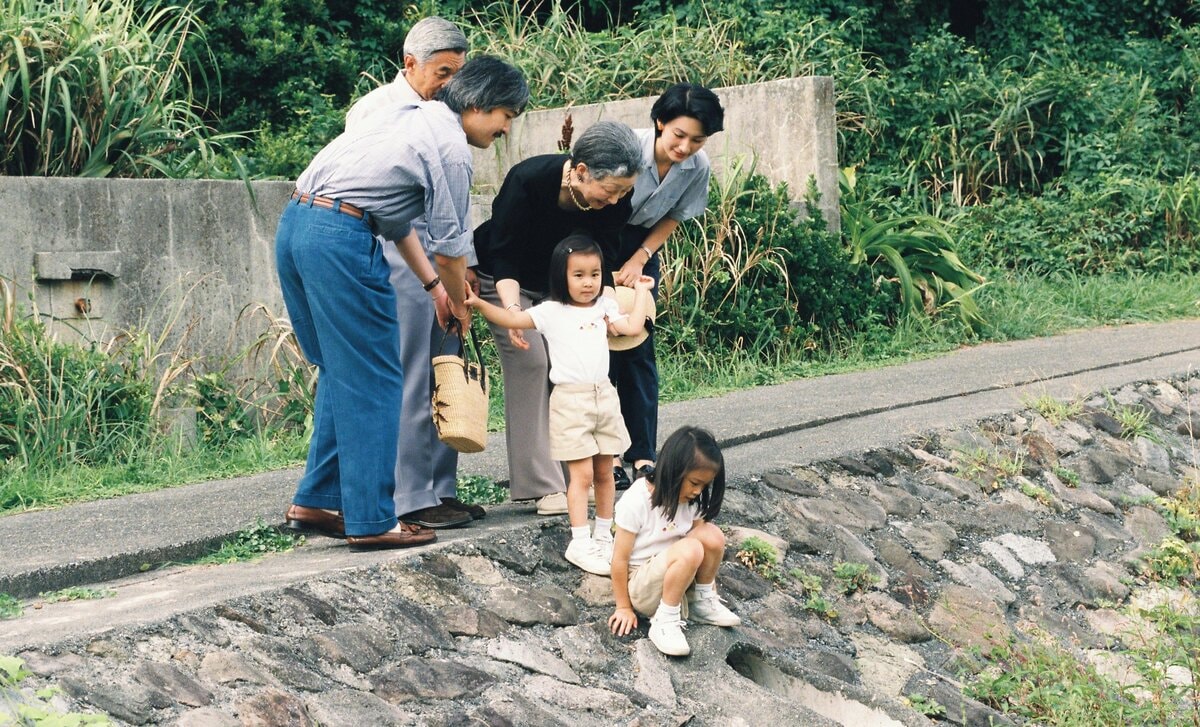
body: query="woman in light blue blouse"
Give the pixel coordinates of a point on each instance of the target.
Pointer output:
(671, 188)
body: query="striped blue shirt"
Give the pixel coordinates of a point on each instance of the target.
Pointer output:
(412, 161)
(681, 195)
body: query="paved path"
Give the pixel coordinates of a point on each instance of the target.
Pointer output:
(763, 429)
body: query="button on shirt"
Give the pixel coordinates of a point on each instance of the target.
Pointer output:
(681, 195)
(398, 166)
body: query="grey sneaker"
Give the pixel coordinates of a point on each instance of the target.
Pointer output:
(667, 636)
(710, 610)
(589, 556)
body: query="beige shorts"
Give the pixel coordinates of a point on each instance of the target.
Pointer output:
(646, 586)
(585, 420)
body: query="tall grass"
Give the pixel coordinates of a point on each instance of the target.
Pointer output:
(99, 89)
(82, 421)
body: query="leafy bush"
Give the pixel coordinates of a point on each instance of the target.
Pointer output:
(751, 275)
(98, 89)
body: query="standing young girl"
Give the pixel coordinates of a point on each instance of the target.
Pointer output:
(667, 544)
(585, 417)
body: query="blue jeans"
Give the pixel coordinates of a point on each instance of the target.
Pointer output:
(343, 311)
(635, 372)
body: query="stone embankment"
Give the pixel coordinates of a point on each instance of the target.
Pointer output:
(1011, 530)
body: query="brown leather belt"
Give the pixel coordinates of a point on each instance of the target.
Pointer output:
(329, 204)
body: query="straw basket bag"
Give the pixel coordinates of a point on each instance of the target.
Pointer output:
(460, 397)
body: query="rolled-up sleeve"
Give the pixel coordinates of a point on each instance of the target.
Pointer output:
(448, 208)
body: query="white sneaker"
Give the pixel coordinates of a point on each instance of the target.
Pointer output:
(553, 504)
(589, 556)
(605, 545)
(668, 637)
(709, 610)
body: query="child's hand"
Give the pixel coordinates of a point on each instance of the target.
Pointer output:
(644, 282)
(472, 297)
(622, 621)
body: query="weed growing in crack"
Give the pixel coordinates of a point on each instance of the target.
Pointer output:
(761, 557)
(854, 577)
(1053, 410)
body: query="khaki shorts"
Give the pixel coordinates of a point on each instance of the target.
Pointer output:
(646, 584)
(585, 420)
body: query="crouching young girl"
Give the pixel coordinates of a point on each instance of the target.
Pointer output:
(667, 545)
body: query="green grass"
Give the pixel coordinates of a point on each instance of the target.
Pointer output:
(75, 593)
(251, 544)
(10, 607)
(149, 469)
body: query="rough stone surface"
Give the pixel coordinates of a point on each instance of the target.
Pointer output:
(499, 630)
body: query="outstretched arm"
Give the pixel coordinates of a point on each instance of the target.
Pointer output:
(624, 618)
(505, 317)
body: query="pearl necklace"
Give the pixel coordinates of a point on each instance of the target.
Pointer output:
(583, 206)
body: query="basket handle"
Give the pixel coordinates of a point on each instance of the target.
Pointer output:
(456, 325)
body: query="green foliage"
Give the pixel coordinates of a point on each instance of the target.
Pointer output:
(221, 417)
(989, 469)
(290, 69)
(916, 249)
(480, 490)
(76, 593)
(34, 710)
(1054, 410)
(1035, 492)
(98, 90)
(927, 706)
(811, 587)
(62, 402)
(1182, 511)
(1047, 685)
(1069, 477)
(10, 607)
(1174, 561)
(752, 276)
(854, 577)
(1134, 420)
(761, 557)
(251, 544)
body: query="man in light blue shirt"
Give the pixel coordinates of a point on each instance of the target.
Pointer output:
(375, 179)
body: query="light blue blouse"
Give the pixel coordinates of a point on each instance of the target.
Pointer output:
(681, 195)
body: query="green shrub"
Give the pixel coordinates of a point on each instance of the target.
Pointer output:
(98, 89)
(751, 275)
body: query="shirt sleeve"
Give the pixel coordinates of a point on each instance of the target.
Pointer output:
(540, 315)
(611, 309)
(627, 515)
(448, 208)
(694, 200)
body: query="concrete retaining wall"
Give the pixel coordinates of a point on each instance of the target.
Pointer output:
(104, 255)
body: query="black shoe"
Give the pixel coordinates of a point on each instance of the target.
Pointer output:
(476, 512)
(643, 471)
(621, 478)
(437, 517)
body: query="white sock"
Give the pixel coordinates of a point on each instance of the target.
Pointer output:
(603, 529)
(580, 533)
(703, 590)
(665, 612)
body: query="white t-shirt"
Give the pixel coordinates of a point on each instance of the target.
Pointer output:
(577, 338)
(653, 532)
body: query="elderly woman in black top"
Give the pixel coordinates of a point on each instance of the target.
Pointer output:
(544, 199)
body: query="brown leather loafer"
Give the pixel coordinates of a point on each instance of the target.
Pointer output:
(314, 521)
(438, 516)
(406, 537)
(476, 512)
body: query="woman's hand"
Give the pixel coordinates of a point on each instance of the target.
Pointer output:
(517, 338)
(630, 271)
(622, 621)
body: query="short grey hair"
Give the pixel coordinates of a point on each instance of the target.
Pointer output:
(433, 35)
(608, 149)
(486, 83)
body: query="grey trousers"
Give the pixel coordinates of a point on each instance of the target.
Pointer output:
(426, 469)
(531, 471)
